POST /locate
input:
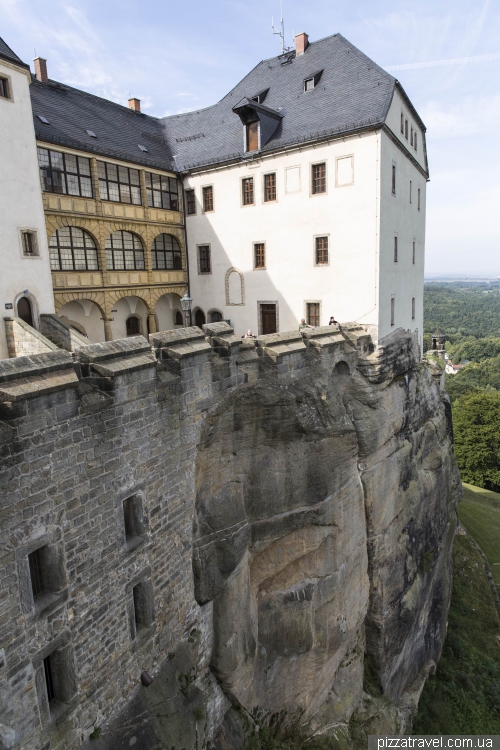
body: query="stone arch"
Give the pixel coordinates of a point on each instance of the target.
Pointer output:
(342, 368)
(140, 292)
(229, 272)
(96, 297)
(54, 222)
(175, 250)
(96, 249)
(33, 304)
(157, 292)
(198, 317)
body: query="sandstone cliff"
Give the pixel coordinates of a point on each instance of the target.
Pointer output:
(295, 507)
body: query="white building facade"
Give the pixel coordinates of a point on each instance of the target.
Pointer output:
(25, 282)
(331, 225)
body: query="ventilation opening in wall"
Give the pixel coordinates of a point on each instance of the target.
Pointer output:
(142, 595)
(56, 684)
(46, 575)
(133, 518)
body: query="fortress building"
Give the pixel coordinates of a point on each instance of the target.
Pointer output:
(303, 191)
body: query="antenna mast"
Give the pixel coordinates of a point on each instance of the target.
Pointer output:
(280, 33)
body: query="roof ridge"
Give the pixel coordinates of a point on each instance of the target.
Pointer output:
(58, 84)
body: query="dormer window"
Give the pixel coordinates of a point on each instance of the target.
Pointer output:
(91, 133)
(309, 84)
(43, 119)
(142, 148)
(253, 136)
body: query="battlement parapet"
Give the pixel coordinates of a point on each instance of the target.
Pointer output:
(39, 374)
(114, 358)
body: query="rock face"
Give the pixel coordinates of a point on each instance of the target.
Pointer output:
(325, 514)
(253, 523)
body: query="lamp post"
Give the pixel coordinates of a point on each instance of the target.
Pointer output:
(186, 303)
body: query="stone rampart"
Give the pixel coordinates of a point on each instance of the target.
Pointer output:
(246, 521)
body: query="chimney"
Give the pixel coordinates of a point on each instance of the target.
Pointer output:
(135, 104)
(41, 69)
(301, 43)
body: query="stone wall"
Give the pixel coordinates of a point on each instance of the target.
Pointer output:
(23, 340)
(235, 518)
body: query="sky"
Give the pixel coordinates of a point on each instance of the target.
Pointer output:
(179, 56)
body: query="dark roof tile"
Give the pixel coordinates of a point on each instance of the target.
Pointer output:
(7, 54)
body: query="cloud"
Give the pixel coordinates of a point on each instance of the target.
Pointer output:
(438, 63)
(473, 115)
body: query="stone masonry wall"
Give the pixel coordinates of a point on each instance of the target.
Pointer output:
(110, 455)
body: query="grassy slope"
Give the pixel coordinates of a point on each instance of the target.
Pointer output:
(463, 697)
(479, 512)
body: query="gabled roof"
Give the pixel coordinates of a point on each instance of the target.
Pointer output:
(353, 93)
(119, 129)
(7, 54)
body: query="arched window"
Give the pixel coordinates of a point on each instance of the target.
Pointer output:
(124, 252)
(133, 326)
(178, 318)
(72, 249)
(166, 252)
(215, 316)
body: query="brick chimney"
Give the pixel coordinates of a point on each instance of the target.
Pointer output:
(41, 69)
(301, 43)
(135, 104)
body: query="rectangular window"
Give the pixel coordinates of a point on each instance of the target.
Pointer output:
(119, 184)
(406, 129)
(395, 249)
(270, 187)
(318, 178)
(55, 680)
(402, 123)
(313, 313)
(4, 88)
(415, 140)
(413, 252)
(253, 136)
(411, 136)
(247, 191)
(259, 255)
(208, 198)
(204, 265)
(410, 191)
(321, 251)
(393, 305)
(162, 191)
(30, 244)
(394, 179)
(413, 308)
(66, 174)
(309, 84)
(418, 199)
(133, 519)
(190, 202)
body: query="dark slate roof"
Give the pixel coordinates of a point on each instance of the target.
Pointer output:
(119, 129)
(353, 93)
(7, 54)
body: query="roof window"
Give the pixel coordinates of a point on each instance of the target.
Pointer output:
(259, 98)
(91, 133)
(43, 119)
(312, 82)
(142, 148)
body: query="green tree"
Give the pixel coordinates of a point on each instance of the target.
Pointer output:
(474, 349)
(476, 422)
